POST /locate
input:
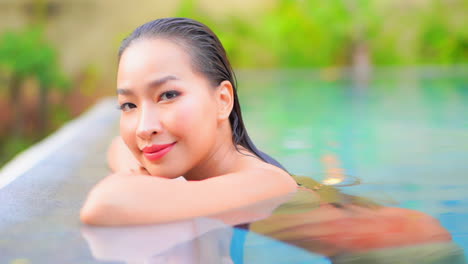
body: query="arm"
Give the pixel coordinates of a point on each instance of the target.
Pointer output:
(140, 199)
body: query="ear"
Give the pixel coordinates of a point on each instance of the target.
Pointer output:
(225, 98)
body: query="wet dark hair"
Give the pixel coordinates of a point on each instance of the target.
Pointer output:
(208, 57)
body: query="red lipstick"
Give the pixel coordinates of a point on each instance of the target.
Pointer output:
(155, 152)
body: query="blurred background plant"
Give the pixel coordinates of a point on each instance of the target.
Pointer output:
(26, 56)
(315, 33)
(59, 57)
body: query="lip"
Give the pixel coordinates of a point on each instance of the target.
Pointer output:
(155, 152)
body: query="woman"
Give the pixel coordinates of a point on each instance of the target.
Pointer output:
(181, 117)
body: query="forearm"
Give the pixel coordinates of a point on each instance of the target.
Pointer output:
(139, 199)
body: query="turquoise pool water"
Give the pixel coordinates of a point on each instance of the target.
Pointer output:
(404, 133)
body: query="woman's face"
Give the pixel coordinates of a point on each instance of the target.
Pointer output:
(169, 111)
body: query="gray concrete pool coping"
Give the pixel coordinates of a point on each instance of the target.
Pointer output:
(31, 157)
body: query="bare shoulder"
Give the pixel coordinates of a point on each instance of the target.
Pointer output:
(263, 173)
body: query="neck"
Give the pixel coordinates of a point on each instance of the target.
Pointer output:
(223, 159)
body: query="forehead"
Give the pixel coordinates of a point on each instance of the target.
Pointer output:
(146, 58)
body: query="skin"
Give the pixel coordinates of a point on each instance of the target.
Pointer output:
(164, 100)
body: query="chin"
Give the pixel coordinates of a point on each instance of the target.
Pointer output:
(163, 173)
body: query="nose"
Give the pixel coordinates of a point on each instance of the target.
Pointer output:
(148, 123)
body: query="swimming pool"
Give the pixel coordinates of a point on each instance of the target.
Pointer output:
(404, 134)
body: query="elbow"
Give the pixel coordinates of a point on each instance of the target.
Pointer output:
(100, 213)
(90, 215)
(96, 214)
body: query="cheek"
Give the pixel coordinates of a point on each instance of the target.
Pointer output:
(128, 127)
(186, 118)
(195, 119)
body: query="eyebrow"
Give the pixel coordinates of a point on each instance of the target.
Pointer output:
(153, 83)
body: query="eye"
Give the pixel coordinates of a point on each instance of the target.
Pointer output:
(169, 95)
(125, 107)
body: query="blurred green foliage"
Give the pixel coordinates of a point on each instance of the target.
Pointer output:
(316, 33)
(25, 55)
(12, 146)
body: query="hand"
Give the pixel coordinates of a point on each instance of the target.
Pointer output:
(120, 158)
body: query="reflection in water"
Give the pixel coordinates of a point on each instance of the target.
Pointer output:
(340, 180)
(341, 227)
(359, 230)
(191, 241)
